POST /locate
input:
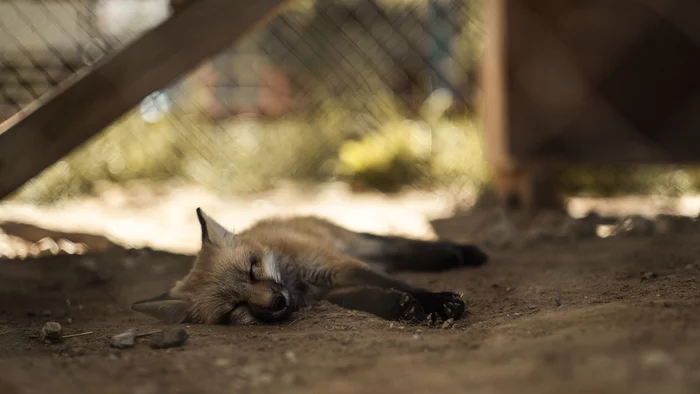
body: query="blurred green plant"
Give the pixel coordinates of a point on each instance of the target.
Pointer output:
(400, 153)
(386, 160)
(606, 181)
(238, 156)
(247, 156)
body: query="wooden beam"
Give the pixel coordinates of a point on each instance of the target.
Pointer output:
(84, 105)
(594, 82)
(494, 88)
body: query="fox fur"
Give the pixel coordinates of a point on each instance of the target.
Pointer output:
(277, 266)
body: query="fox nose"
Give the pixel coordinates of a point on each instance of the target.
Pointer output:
(278, 302)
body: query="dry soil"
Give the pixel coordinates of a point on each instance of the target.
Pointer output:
(596, 316)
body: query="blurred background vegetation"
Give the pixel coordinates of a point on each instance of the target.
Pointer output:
(380, 94)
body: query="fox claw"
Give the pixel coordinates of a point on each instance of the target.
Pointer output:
(411, 308)
(443, 305)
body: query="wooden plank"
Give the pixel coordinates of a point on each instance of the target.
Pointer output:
(601, 81)
(595, 82)
(84, 105)
(494, 87)
(513, 180)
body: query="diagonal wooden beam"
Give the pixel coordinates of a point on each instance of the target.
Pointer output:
(84, 105)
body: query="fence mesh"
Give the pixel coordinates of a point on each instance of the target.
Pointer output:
(377, 93)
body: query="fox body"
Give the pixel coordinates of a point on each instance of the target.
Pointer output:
(277, 266)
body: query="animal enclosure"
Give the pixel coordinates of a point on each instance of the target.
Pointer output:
(121, 117)
(324, 73)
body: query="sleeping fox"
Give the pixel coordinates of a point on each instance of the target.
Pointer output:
(276, 267)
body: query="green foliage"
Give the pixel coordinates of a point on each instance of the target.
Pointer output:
(129, 149)
(394, 156)
(615, 180)
(405, 153)
(243, 156)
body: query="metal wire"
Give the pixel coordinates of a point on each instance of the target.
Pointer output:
(286, 102)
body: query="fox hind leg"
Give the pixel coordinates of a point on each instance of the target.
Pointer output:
(391, 253)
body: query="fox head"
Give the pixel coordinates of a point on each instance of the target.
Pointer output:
(234, 280)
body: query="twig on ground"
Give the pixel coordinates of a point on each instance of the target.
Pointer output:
(77, 335)
(145, 334)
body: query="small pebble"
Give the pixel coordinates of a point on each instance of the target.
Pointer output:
(557, 301)
(113, 354)
(222, 362)
(69, 320)
(129, 263)
(657, 358)
(290, 356)
(124, 340)
(148, 388)
(46, 312)
(169, 338)
(291, 379)
(89, 264)
(416, 336)
(509, 289)
(649, 275)
(52, 332)
(448, 323)
(76, 351)
(636, 226)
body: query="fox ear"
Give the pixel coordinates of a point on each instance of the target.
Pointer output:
(212, 231)
(164, 308)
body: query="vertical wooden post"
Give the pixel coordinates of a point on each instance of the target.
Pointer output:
(518, 184)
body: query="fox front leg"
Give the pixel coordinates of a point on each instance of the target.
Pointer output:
(445, 305)
(388, 304)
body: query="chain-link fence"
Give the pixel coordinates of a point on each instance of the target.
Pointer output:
(378, 93)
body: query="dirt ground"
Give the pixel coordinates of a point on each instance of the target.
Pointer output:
(600, 315)
(577, 318)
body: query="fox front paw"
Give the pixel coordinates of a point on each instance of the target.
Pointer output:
(410, 309)
(442, 306)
